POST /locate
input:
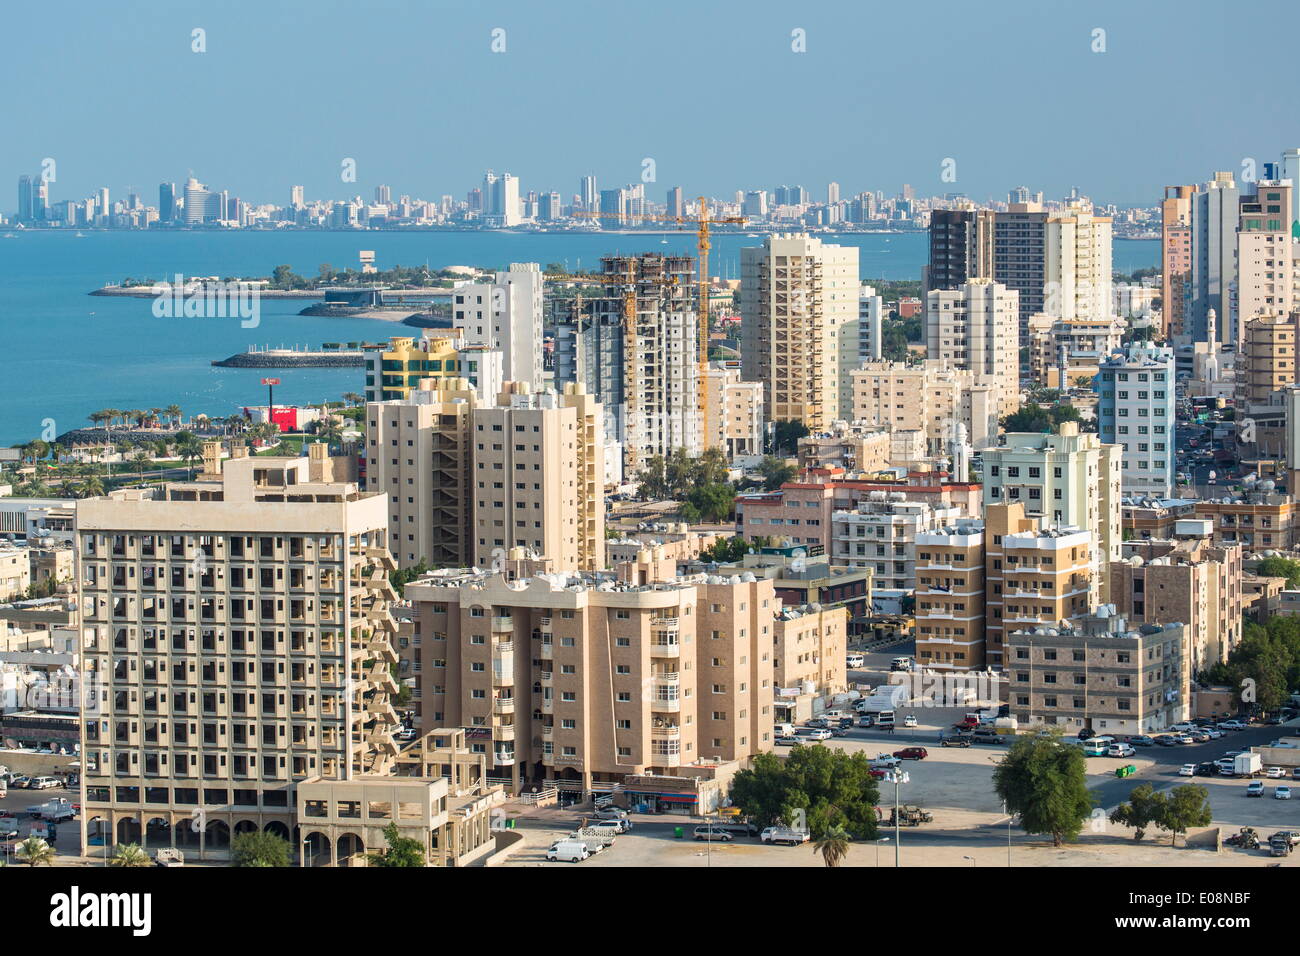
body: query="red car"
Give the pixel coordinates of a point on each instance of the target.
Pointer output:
(879, 773)
(912, 753)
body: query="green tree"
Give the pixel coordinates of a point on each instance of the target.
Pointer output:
(833, 846)
(652, 480)
(1043, 782)
(188, 448)
(35, 852)
(1280, 568)
(1188, 806)
(713, 503)
(1145, 808)
(129, 855)
(402, 851)
(776, 472)
(816, 786)
(259, 848)
(786, 435)
(399, 578)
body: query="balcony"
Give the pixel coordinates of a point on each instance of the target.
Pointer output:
(503, 624)
(503, 758)
(665, 649)
(547, 651)
(503, 705)
(672, 732)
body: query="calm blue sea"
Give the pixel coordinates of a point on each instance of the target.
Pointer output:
(71, 353)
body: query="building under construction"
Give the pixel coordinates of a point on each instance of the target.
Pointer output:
(647, 376)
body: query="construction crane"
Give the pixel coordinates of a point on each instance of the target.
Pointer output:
(703, 243)
(631, 363)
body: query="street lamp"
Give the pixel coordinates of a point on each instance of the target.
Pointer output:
(880, 840)
(897, 778)
(972, 860)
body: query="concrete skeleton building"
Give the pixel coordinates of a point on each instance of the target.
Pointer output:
(800, 325)
(646, 378)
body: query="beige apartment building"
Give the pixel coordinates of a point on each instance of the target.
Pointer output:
(1068, 479)
(538, 478)
(236, 644)
(855, 448)
(799, 329)
(1266, 275)
(1077, 266)
(931, 397)
(735, 412)
(15, 572)
(577, 682)
(977, 327)
(466, 482)
(1034, 574)
(419, 454)
(1101, 673)
(950, 597)
(1075, 347)
(1266, 365)
(811, 643)
(1189, 580)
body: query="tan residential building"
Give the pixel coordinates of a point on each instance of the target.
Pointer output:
(236, 645)
(799, 329)
(419, 454)
(1034, 575)
(855, 448)
(735, 414)
(538, 478)
(15, 572)
(1068, 479)
(932, 397)
(1099, 672)
(1266, 365)
(1266, 275)
(1188, 580)
(395, 372)
(977, 327)
(811, 645)
(1076, 347)
(574, 682)
(950, 597)
(1077, 266)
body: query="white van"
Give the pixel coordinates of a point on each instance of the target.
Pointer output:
(832, 715)
(1094, 748)
(885, 719)
(854, 661)
(568, 851)
(783, 730)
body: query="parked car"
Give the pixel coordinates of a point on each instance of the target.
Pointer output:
(813, 733)
(846, 722)
(1141, 740)
(885, 762)
(1120, 750)
(568, 851)
(1185, 739)
(1200, 736)
(45, 783)
(737, 826)
(712, 833)
(1282, 793)
(866, 720)
(839, 730)
(787, 740)
(1232, 725)
(1208, 769)
(1187, 770)
(854, 661)
(1255, 789)
(1213, 732)
(956, 740)
(1295, 773)
(611, 813)
(912, 753)
(1166, 740)
(1275, 773)
(909, 720)
(818, 723)
(1085, 733)
(20, 782)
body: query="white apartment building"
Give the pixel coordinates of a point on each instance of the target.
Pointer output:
(977, 327)
(880, 534)
(799, 330)
(1077, 266)
(1067, 479)
(1266, 273)
(1135, 410)
(505, 314)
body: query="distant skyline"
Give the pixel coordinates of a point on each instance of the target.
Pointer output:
(713, 93)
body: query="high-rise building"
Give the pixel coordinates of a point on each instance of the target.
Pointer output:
(880, 534)
(1266, 274)
(506, 314)
(832, 193)
(676, 205)
(383, 195)
(26, 199)
(735, 414)
(646, 378)
(871, 310)
(296, 197)
(950, 597)
(1213, 274)
(395, 372)
(1136, 411)
(1290, 169)
(977, 327)
(1077, 266)
(1266, 364)
(236, 644)
(932, 397)
(587, 190)
(167, 202)
(1067, 479)
(201, 204)
(755, 206)
(1175, 258)
(582, 683)
(799, 331)
(501, 199)
(960, 248)
(538, 480)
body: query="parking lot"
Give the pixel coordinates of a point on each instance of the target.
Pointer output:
(67, 840)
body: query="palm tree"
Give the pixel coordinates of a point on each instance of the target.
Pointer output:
(173, 413)
(352, 398)
(141, 459)
(129, 854)
(92, 487)
(34, 851)
(189, 448)
(833, 846)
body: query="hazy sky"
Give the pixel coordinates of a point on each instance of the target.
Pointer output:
(711, 91)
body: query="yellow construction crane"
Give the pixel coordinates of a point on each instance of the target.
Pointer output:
(703, 221)
(631, 364)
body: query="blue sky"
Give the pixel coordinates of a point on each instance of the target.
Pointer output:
(711, 90)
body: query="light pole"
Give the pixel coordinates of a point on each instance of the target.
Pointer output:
(972, 860)
(880, 840)
(897, 777)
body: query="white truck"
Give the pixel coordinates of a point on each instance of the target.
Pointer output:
(786, 835)
(884, 697)
(1248, 764)
(53, 810)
